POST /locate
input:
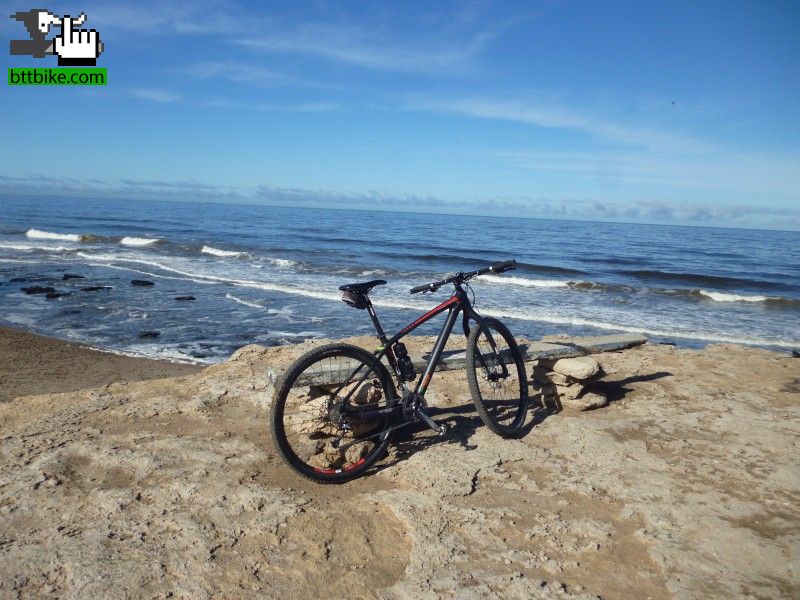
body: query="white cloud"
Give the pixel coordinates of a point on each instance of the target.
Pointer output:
(357, 47)
(553, 115)
(628, 152)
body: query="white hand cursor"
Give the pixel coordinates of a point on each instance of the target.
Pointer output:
(77, 47)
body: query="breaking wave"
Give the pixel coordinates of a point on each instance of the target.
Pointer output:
(37, 234)
(221, 253)
(522, 281)
(723, 297)
(700, 279)
(703, 295)
(138, 242)
(555, 283)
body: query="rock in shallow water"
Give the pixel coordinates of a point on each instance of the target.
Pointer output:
(184, 298)
(148, 335)
(67, 276)
(38, 289)
(141, 282)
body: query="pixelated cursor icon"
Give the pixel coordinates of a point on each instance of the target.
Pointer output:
(74, 47)
(77, 47)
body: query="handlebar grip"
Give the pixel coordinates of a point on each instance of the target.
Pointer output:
(422, 288)
(503, 266)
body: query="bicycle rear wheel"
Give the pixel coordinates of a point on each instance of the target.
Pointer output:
(314, 418)
(496, 377)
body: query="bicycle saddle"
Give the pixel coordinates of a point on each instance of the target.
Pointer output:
(361, 288)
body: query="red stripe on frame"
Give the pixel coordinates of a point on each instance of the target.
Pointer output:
(432, 312)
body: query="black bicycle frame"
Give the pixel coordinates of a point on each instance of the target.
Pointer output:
(457, 303)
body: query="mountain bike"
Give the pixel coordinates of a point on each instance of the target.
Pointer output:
(335, 408)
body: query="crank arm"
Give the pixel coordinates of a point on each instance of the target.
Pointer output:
(440, 429)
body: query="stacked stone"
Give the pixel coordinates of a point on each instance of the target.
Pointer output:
(565, 381)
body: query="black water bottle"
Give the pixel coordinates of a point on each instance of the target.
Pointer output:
(404, 362)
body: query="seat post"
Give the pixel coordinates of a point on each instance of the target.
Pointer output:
(374, 316)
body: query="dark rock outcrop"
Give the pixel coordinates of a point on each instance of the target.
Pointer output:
(38, 289)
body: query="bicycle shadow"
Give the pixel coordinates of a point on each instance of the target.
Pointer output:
(463, 421)
(417, 437)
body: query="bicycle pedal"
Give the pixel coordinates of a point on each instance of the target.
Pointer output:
(443, 430)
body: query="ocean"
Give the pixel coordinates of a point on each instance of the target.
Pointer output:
(270, 275)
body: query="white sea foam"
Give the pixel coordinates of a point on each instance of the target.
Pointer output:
(723, 297)
(137, 241)
(155, 351)
(16, 246)
(525, 282)
(220, 253)
(281, 262)
(289, 334)
(37, 234)
(244, 302)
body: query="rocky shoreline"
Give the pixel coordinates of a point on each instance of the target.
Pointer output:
(685, 485)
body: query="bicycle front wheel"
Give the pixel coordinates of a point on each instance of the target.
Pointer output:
(496, 377)
(317, 413)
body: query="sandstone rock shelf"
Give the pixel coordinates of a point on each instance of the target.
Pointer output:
(687, 485)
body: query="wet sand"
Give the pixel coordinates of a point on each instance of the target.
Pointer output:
(34, 364)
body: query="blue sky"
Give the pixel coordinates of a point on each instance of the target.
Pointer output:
(678, 112)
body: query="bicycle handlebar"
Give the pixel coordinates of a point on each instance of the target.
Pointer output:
(461, 277)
